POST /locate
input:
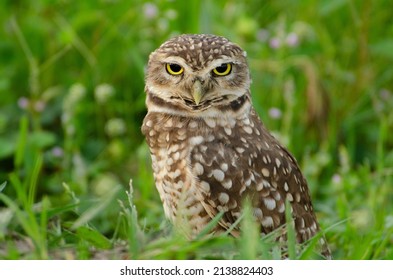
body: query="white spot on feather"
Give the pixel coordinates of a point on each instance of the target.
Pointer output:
(196, 140)
(281, 208)
(286, 187)
(198, 168)
(266, 183)
(267, 222)
(265, 172)
(269, 203)
(223, 198)
(227, 184)
(297, 197)
(169, 123)
(258, 213)
(247, 129)
(149, 123)
(205, 186)
(224, 167)
(210, 122)
(278, 163)
(218, 175)
(246, 121)
(193, 124)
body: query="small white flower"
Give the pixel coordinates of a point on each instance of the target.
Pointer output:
(103, 92)
(76, 93)
(70, 129)
(171, 14)
(115, 127)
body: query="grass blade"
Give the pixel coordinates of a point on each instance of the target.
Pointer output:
(2, 186)
(210, 226)
(250, 234)
(94, 210)
(34, 179)
(21, 144)
(290, 226)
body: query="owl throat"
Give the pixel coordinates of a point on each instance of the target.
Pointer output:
(215, 108)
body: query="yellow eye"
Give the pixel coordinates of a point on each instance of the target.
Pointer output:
(174, 69)
(223, 70)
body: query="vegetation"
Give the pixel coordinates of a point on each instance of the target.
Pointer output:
(72, 103)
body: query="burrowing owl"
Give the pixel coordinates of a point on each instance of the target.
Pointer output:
(209, 148)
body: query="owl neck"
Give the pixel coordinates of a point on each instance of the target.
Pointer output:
(236, 108)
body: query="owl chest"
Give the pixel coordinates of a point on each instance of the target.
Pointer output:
(182, 153)
(169, 156)
(170, 152)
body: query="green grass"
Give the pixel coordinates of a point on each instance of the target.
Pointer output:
(72, 103)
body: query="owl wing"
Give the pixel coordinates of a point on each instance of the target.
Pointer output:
(252, 165)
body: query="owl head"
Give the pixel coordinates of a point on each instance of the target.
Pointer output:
(196, 72)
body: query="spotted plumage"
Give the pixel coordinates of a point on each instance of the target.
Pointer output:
(209, 149)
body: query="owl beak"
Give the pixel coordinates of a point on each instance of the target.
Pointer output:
(197, 92)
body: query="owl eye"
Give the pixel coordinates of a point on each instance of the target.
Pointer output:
(223, 70)
(174, 69)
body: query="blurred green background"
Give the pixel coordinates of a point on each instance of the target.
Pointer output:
(72, 104)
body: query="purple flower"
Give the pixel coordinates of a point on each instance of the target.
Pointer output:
(292, 39)
(150, 10)
(23, 102)
(275, 43)
(275, 113)
(39, 106)
(385, 94)
(336, 179)
(263, 35)
(57, 152)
